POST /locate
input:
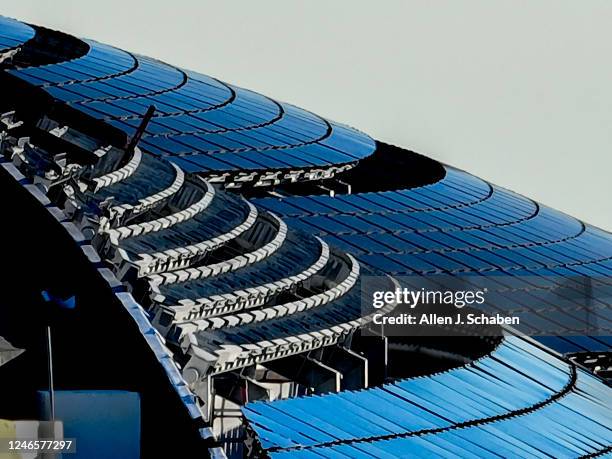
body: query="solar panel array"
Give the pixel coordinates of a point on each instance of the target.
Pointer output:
(221, 277)
(13, 33)
(200, 123)
(464, 226)
(233, 282)
(520, 401)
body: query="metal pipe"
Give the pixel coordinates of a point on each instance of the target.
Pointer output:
(50, 369)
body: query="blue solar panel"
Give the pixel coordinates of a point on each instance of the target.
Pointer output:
(101, 61)
(13, 33)
(462, 225)
(476, 405)
(518, 401)
(197, 115)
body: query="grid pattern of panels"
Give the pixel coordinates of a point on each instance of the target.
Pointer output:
(101, 62)
(570, 344)
(464, 226)
(200, 123)
(517, 402)
(13, 33)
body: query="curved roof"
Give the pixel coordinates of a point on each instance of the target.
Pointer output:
(202, 124)
(519, 401)
(235, 284)
(464, 226)
(13, 33)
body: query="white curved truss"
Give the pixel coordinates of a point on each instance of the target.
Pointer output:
(238, 300)
(226, 266)
(144, 204)
(175, 259)
(206, 359)
(277, 311)
(138, 229)
(120, 174)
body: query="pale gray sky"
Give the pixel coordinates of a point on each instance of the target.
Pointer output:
(517, 92)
